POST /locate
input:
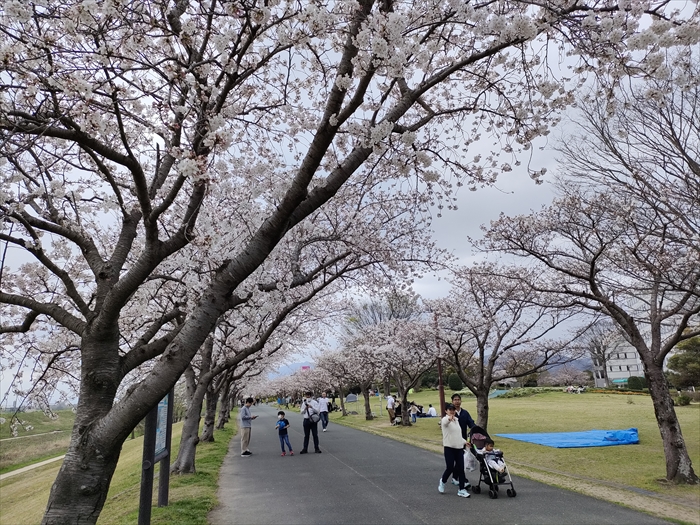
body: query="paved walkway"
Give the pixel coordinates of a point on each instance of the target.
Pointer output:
(29, 467)
(361, 478)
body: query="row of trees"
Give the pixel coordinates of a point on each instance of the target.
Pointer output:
(620, 242)
(172, 170)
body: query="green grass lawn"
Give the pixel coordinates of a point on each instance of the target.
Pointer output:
(39, 421)
(23, 497)
(640, 466)
(37, 444)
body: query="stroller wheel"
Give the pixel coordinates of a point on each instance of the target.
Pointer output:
(511, 493)
(476, 490)
(493, 494)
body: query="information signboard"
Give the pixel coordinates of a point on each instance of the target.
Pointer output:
(162, 427)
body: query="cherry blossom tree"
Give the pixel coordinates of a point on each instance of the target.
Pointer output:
(122, 122)
(336, 370)
(408, 349)
(363, 365)
(494, 326)
(601, 340)
(567, 375)
(644, 141)
(621, 258)
(633, 255)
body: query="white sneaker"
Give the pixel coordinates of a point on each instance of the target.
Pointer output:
(463, 493)
(441, 487)
(455, 482)
(324, 429)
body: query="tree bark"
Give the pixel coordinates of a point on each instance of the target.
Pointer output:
(80, 489)
(368, 407)
(342, 401)
(212, 399)
(225, 408)
(405, 416)
(679, 468)
(482, 409)
(185, 461)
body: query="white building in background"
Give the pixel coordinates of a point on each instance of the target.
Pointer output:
(623, 362)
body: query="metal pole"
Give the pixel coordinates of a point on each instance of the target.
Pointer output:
(164, 477)
(441, 388)
(149, 449)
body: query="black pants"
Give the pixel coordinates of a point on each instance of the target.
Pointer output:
(454, 461)
(309, 426)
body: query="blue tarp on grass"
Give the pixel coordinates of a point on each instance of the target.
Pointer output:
(589, 438)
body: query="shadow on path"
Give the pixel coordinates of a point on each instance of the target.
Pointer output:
(361, 478)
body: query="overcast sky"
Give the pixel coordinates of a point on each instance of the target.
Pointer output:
(515, 193)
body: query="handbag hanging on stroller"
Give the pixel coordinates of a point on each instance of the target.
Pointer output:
(478, 438)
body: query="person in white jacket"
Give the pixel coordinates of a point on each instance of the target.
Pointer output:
(453, 446)
(309, 409)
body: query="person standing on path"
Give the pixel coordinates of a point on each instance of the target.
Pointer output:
(309, 409)
(323, 402)
(390, 403)
(282, 425)
(465, 423)
(453, 446)
(246, 426)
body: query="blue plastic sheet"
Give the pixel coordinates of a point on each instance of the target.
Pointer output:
(589, 438)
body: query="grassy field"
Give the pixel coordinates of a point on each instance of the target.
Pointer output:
(47, 439)
(23, 497)
(641, 466)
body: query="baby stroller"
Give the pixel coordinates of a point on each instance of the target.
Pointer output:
(488, 476)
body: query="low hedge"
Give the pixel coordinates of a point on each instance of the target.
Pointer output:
(617, 391)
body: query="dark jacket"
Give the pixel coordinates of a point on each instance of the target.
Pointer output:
(465, 422)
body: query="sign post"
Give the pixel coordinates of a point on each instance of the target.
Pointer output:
(156, 447)
(166, 420)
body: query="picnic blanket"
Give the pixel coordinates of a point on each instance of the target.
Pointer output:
(588, 438)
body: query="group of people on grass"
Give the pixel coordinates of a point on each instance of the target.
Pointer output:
(393, 408)
(312, 410)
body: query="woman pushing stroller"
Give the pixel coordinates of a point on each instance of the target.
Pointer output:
(453, 447)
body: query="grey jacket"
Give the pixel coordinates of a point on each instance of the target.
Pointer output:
(246, 417)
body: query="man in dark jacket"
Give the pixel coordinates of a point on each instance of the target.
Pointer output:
(465, 423)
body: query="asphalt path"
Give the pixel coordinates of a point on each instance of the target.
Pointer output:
(361, 478)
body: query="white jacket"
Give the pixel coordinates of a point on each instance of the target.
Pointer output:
(313, 407)
(451, 433)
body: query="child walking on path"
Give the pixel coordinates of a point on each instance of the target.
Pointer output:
(453, 446)
(282, 426)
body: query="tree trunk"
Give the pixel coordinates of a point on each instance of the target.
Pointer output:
(403, 395)
(405, 416)
(482, 409)
(368, 407)
(210, 415)
(342, 401)
(225, 408)
(80, 489)
(678, 465)
(185, 462)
